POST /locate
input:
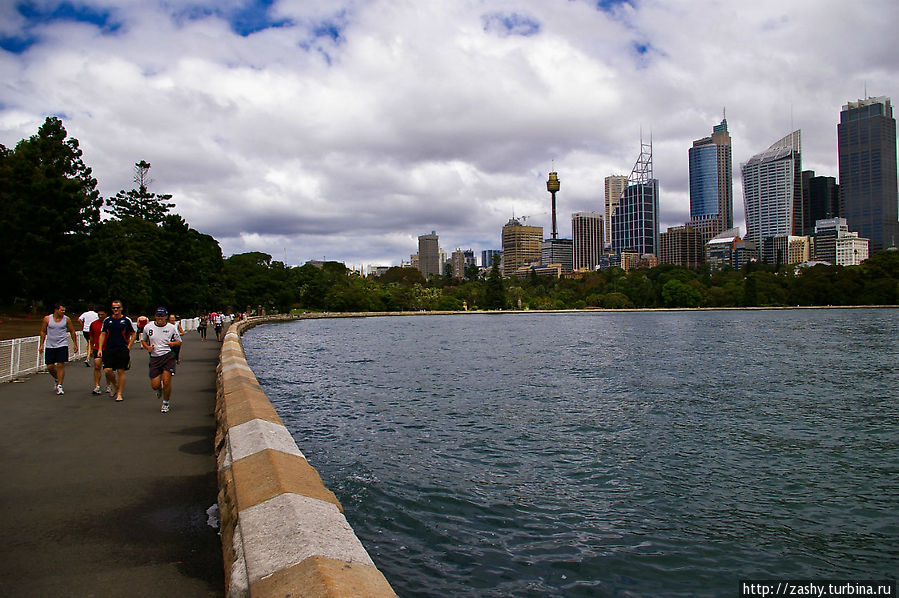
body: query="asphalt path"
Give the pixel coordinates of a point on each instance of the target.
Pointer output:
(99, 498)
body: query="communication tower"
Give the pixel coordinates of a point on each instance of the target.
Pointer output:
(552, 185)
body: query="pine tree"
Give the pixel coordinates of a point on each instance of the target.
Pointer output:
(139, 202)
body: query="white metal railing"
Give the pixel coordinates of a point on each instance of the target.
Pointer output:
(20, 356)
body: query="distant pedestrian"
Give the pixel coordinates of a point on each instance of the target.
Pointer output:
(86, 319)
(160, 339)
(173, 319)
(116, 338)
(201, 326)
(218, 320)
(95, 332)
(141, 322)
(53, 334)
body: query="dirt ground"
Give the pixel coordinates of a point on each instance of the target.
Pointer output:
(20, 326)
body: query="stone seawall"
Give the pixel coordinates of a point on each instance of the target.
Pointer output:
(283, 531)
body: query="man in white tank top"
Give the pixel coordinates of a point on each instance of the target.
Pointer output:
(53, 335)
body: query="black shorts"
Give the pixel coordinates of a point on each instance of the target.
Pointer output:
(117, 359)
(162, 363)
(56, 355)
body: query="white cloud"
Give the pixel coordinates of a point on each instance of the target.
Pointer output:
(348, 129)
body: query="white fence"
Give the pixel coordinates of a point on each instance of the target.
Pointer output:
(20, 356)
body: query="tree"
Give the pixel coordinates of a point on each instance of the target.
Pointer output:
(495, 293)
(48, 202)
(139, 202)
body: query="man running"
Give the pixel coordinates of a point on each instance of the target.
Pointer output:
(116, 338)
(159, 339)
(53, 334)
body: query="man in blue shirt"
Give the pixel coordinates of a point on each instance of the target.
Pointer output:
(116, 338)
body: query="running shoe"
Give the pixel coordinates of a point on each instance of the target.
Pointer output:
(165, 407)
(109, 389)
(59, 390)
(119, 399)
(96, 390)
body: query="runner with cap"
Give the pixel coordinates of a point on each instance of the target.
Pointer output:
(158, 339)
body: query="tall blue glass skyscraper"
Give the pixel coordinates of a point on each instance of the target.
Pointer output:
(711, 183)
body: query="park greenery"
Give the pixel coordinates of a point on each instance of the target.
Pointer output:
(63, 241)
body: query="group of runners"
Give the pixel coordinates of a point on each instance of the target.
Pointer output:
(110, 338)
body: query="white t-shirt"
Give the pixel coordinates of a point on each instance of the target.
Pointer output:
(158, 337)
(88, 318)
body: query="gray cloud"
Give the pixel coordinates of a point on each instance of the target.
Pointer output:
(347, 129)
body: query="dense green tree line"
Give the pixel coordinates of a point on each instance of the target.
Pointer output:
(333, 288)
(58, 245)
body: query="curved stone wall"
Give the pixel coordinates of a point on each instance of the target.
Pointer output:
(283, 531)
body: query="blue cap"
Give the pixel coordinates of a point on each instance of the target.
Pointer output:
(161, 311)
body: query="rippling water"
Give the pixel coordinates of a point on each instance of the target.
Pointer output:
(601, 454)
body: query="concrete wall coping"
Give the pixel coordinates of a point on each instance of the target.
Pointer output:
(283, 532)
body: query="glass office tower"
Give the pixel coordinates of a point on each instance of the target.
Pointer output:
(867, 154)
(711, 183)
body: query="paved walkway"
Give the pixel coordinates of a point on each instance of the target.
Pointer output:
(99, 498)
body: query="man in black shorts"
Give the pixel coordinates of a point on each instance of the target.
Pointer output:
(159, 338)
(116, 338)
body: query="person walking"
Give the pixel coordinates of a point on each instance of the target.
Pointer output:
(53, 335)
(218, 320)
(95, 331)
(86, 319)
(116, 338)
(160, 339)
(201, 326)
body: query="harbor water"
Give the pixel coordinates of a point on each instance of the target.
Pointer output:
(601, 454)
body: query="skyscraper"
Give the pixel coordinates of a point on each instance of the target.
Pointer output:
(772, 194)
(711, 183)
(615, 186)
(868, 186)
(521, 245)
(588, 238)
(820, 200)
(428, 255)
(635, 222)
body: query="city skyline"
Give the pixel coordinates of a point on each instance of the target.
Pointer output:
(346, 130)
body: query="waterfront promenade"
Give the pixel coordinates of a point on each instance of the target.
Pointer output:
(99, 498)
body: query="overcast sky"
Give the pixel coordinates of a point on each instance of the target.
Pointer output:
(344, 129)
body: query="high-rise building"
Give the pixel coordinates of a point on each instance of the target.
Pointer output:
(820, 200)
(772, 193)
(615, 186)
(458, 259)
(588, 239)
(521, 245)
(429, 255)
(487, 257)
(683, 246)
(557, 251)
(635, 222)
(868, 179)
(712, 183)
(721, 250)
(835, 244)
